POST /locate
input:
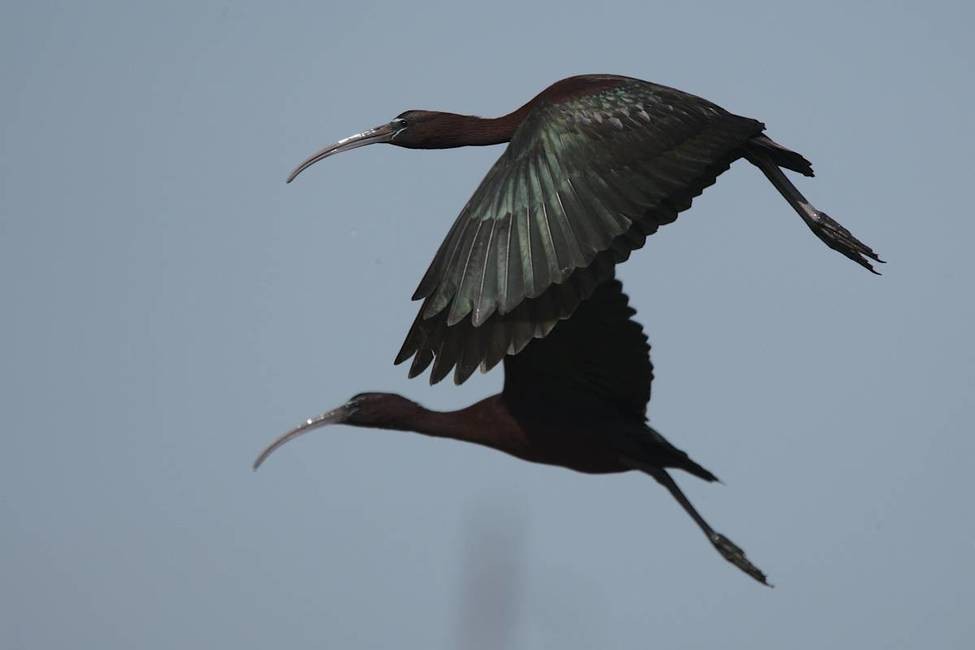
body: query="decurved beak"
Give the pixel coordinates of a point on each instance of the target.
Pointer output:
(335, 416)
(384, 133)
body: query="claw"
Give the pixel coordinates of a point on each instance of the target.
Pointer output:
(834, 235)
(734, 554)
(829, 231)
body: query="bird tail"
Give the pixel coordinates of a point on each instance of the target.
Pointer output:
(762, 144)
(667, 455)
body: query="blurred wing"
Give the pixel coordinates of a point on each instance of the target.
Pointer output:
(599, 355)
(582, 182)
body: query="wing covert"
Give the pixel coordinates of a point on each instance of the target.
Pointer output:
(582, 181)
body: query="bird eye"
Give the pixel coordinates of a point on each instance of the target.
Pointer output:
(400, 123)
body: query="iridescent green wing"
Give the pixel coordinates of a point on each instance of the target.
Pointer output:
(581, 184)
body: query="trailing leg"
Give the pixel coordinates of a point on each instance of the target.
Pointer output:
(728, 549)
(829, 231)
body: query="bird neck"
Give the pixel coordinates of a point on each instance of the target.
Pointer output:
(388, 411)
(484, 131)
(454, 130)
(494, 130)
(418, 419)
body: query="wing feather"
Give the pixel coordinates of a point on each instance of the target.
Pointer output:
(599, 357)
(488, 278)
(581, 185)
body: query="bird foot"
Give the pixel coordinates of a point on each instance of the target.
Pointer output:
(731, 552)
(842, 240)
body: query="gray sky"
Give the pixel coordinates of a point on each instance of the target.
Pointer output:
(169, 304)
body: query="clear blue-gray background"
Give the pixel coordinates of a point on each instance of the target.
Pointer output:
(169, 304)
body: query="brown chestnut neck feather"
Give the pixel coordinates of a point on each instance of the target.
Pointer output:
(390, 411)
(447, 130)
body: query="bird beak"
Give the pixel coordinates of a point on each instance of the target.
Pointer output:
(335, 416)
(384, 133)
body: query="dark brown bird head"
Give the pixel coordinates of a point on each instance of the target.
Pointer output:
(437, 130)
(378, 410)
(420, 130)
(374, 410)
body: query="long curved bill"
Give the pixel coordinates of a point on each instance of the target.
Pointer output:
(335, 416)
(382, 133)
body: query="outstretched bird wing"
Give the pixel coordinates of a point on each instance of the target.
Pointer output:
(598, 360)
(582, 183)
(596, 366)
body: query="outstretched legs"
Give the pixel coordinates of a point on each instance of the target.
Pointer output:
(728, 549)
(832, 233)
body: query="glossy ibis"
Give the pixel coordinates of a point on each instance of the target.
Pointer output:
(576, 398)
(594, 165)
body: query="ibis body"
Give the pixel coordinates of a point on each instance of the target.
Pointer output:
(576, 398)
(526, 274)
(594, 164)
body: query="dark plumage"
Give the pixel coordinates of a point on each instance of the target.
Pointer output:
(577, 399)
(595, 164)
